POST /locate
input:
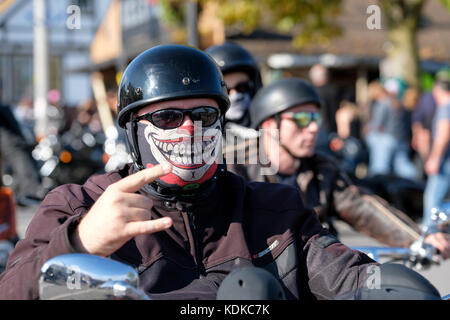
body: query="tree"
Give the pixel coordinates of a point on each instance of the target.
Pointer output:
(402, 19)
(312, 22)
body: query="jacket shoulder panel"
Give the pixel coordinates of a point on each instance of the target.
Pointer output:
(274, 197)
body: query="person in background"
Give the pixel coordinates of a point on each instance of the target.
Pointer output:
(346, 144)
(242, 76)
(422, 120)
(387, 136)
(16, 156)
(437, 165)
(288, 113)
(329, 94)
(24, 114)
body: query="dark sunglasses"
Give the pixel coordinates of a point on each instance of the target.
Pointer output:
(173, 118)
(243, 87)
(303, 118)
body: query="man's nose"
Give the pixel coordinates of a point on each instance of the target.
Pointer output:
(232, 91)
(187, 126)
(313, 126)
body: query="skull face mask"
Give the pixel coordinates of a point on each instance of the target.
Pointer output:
(192, 151)
(239, 105)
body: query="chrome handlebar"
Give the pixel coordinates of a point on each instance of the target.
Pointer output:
(419, 255)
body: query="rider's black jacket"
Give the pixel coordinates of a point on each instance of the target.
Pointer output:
(241, 223)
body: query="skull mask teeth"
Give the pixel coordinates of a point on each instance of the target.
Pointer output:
(191, 155)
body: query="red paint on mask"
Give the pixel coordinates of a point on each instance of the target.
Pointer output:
(173, 179)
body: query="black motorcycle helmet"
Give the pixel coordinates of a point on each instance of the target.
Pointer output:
(398, 282)
(232, 57)
(250, 283)
(169, 72)
(280, 96)
(162, 73)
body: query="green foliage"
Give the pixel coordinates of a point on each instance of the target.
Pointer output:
(446, 3)
(309, 21)
(173, 11)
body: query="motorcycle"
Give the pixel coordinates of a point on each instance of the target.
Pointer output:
(115, 150)
(420, 255)
(352, 155)
(87, 277)
(84, 276)
(69, 157)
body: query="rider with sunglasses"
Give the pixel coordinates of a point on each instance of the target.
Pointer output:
(175, 214)
(290, 108)
(242, 76)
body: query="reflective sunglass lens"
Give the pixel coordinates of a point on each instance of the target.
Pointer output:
(167, 119)
(173, 118)
(207, 116)
(303, 119)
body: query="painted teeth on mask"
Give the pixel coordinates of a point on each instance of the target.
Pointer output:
(187, 153)
(187, 160)
(198, 159)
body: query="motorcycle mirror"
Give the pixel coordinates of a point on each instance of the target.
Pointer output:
(87, 277)
(120, 290)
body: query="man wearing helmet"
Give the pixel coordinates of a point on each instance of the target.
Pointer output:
(175, 213)
(242, 76)
(290, 108)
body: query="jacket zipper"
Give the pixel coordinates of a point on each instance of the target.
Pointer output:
(198, 255)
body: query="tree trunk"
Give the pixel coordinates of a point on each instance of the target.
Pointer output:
(402, 54)
(403, 17)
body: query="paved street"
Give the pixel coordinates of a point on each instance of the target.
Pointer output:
(439, 276)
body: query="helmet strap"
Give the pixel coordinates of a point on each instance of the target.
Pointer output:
(277, 118)
(131, 133)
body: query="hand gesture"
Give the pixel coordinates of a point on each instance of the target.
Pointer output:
(120, 214)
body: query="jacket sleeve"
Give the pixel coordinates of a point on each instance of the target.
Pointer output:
(47, 236)
(333, 270)
(371, 215)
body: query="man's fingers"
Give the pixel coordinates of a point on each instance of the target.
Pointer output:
(441, 242)
(134, 200)
(139, 179)
(147, 227)
(444, 243)
(138, 214)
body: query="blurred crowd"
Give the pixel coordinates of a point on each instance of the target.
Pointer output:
(394, 124)
(71, 151)
(398, 131)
